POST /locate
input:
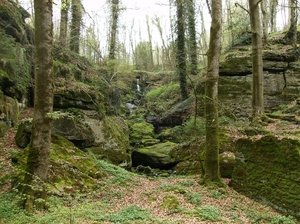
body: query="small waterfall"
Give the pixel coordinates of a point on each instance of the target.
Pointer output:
(138, 88)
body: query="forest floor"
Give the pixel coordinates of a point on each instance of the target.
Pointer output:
(125, 197)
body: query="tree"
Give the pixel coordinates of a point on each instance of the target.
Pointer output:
(181, 54)
(257, 62)
(273, 13)
(39, 148)
(265, 20)
(63, 22)
(211, 163)
(114, 28)
(75, 25)
(291, 36)
(192, 37)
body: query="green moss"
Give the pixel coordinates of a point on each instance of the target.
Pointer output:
(268, 169)
(70, 169)
(170, 202)
(142, 134)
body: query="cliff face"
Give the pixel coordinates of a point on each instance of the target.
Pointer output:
(15, 62)
(281, 67)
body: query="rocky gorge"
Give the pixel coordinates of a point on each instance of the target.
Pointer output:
(262, 160)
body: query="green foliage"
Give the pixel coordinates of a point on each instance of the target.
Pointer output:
(174, 188)
(256, 217)
(160, 99)
(120, 175)
(195, 199)
(170, 202)
(190, 129)
(8, 206)
(209, 213)
(129, 215)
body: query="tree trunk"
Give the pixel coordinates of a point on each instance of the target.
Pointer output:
(39, 148)
(257, 62)
(63, 22)
(114, 28)
(75, 26)
(273, 14)
(181, 55)
(291, 36)
(265, 22)
(151, 62)
(211, 164)
(192, 37)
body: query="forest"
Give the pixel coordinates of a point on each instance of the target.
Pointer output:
(178, 111)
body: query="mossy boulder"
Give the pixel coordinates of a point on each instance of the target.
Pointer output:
(111, 140)
(141, 134)
(155, 156)
(9, 113)
(70, 170)
(268, 169)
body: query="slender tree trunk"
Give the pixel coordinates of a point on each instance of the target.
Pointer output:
(181, 54)
(151, 62)
(192, 37)
(257, 62)
(39, 148)
(211, 164)
(265, 18)
(75, 25)
(63, 22)
(114, 29)
(273, 14)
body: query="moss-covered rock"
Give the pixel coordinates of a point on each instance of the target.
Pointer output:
(111, 140)
(142, 134)
(9, 113)
(268, 169)
(155, 156)
(71, 170)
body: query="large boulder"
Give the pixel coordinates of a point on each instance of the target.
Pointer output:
(106, 137)
(111, 140)
(155, 156)
(267, 169)
(70, 170)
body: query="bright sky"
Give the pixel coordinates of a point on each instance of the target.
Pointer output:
(132, 21)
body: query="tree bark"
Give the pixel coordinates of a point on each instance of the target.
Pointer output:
(114, 29)
(192, 37)
(211, 163)
(265, 17)
(257, 62)
(63, 22)
(39, 148)
(181, 54)
(273, 14)
(291, 36)
(75, 26)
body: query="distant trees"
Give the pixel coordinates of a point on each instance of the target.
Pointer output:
(39, 148)
(211, 160)
(257, 62)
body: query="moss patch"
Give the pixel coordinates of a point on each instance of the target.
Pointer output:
(268, 169)
(70, 168)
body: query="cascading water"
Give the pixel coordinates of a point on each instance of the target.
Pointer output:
(138, 88)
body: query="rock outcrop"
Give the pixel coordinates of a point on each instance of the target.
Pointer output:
(268, 169)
